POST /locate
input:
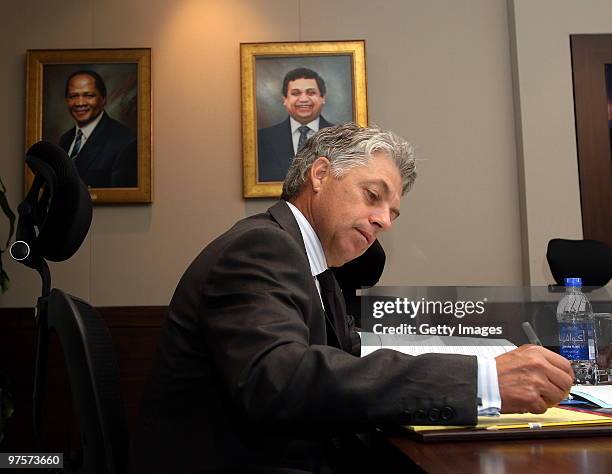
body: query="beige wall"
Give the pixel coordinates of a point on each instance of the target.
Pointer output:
(439, 73)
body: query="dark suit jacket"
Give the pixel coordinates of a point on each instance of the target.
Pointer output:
(108, 159)
(275, 149)
(246, 376)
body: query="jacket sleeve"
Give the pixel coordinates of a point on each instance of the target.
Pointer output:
(256, 311)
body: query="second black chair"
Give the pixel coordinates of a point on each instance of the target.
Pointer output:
(590, 260)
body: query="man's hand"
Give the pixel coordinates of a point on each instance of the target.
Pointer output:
(532, 378)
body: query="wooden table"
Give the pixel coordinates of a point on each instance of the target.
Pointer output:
(551, 456)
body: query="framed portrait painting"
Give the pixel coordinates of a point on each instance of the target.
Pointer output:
(592, 75)
(289, 92)
(96, 105)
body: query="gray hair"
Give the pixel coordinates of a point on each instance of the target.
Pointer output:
(347, 146)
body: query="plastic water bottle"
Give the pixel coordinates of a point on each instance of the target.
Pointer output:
(577, 332)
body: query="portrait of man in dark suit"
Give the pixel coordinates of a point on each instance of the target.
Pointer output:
(303, 96)
(103, 149)
(290, 91)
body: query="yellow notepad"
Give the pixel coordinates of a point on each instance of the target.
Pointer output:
(554, 417)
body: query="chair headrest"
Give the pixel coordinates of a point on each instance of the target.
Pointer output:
(590, 260)
(56, 213)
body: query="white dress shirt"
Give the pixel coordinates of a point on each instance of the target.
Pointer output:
(488, 384)
(314, 249)
(295, 133)
(87, 130)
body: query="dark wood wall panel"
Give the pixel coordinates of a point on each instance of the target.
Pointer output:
(134, 331)
(590, 54)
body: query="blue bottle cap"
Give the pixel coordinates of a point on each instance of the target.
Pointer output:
(573, 282)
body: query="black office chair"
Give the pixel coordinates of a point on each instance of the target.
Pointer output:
(590, 260)
(54, 219)
(363, 272)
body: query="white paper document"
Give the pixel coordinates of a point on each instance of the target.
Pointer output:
(600, 395)
(417, 345)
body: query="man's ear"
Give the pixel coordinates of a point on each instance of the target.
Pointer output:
(319, 171)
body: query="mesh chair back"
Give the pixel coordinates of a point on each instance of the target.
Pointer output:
(94, 380)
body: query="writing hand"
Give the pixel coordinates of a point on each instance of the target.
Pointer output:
(532, 379)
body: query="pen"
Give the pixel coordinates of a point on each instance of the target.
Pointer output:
(531, 335)
(537, 426)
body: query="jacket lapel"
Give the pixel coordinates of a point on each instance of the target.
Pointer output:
(324, 123)
(66, 139)
(284, 143)
(90, 150)
(283, 215)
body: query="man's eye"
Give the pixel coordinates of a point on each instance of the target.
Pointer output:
(372, 196)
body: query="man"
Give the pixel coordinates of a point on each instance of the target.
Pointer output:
(253, 375)
(303, 98)
(104, 150)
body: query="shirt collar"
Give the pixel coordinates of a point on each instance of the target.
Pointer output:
(314, 249)
(88, 129)
(314, 125)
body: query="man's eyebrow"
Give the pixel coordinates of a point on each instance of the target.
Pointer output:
(378, 182)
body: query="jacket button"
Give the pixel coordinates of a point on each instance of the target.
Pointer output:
(447, 413)
(419, 415)
(434, 414)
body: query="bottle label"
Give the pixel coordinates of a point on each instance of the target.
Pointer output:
(576, 341)
(592, 353)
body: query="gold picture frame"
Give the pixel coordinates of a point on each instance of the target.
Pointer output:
(115, 158)
(265, 69)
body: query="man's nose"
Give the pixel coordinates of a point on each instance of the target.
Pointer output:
(381, 218)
